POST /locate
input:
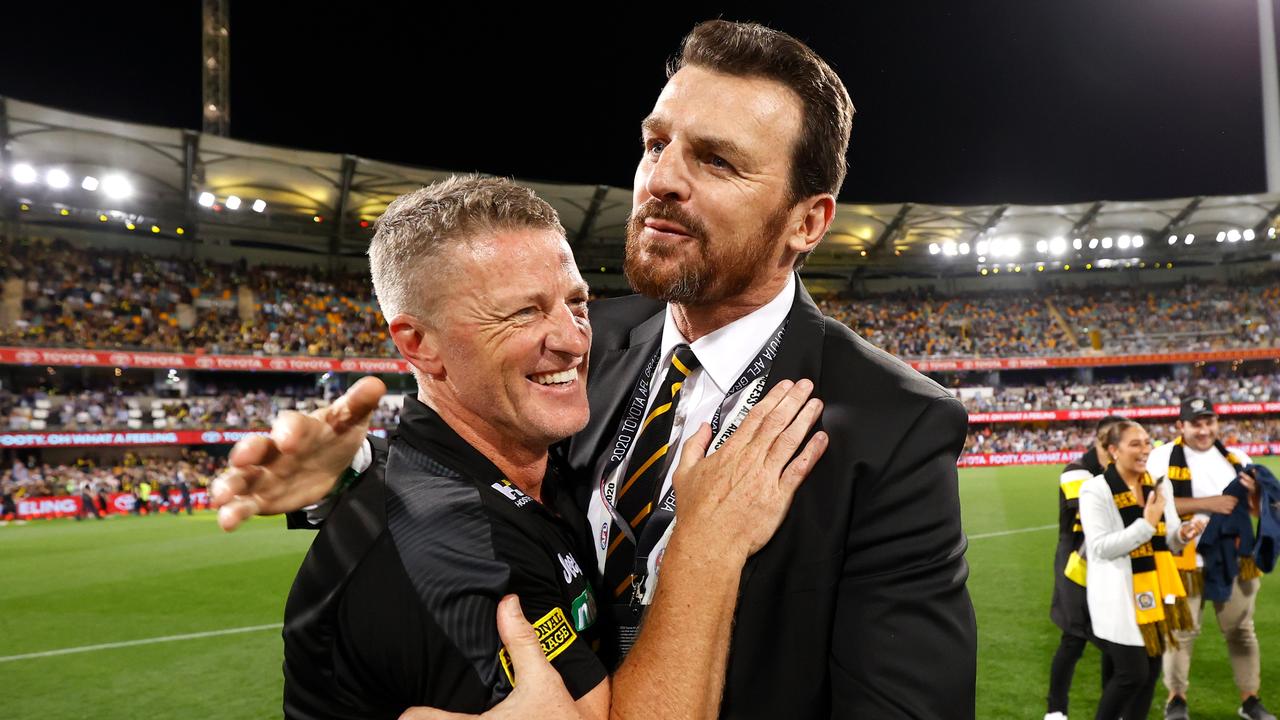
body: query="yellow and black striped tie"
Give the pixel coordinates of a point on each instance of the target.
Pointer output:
(645, 470)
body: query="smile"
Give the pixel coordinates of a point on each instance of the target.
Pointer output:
(555, 378)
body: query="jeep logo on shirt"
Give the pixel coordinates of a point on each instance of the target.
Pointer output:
(570, 566)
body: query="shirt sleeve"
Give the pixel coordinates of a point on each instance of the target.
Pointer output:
(537, 577)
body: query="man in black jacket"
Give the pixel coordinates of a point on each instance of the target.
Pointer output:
(857, 608)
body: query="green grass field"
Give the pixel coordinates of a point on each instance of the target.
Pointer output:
(65, 584)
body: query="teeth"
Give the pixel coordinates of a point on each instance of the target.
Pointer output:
(556, 377)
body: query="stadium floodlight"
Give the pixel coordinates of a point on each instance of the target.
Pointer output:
(934, 249)
(259, 205)
(232, 203)
(1107, 243)
(206, 199)
(1057, 246)
(1190, 238)
(23, 174)
(1248, 235)
(57, 178)
(1093, 243)
(949, 248)
(1042, 246)
(116, 187)
(1173, 239)
(964, 248)
(89, 183)
(983, 246)
(1123, 241)
(1271, 233)
(1077, 243)
(1233, 235)
(1139, 241)
(1222, 235)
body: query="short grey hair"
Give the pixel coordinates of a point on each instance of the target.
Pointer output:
(418, 228)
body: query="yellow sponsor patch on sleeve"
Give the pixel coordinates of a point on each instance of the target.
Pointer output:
(555, 633)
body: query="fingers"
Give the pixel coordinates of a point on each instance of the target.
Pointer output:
(785, 446)
(295, 434)
(253, 450)
(694, 450)
(236, 511)
(426, 713)
(357, 404)
(520, 639)
(233, 481)
(767, 403)
(798, 469)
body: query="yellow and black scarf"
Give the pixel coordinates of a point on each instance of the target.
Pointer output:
(1180, 478)
(1159, 599)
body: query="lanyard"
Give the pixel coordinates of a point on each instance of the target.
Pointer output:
(743, 395)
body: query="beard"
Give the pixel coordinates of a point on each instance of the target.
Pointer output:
(722, 267)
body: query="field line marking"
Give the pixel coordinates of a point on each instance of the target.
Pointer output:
(997, 534)
(143, 641)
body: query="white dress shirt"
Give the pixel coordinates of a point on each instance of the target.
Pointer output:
(724, 356)
(1107, 546)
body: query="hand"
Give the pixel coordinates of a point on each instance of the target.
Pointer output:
(1220, 504)
(735, 499)
(1248, 481)
(1154, 511)
(539, 692)
(301, 460)
(1191, 530)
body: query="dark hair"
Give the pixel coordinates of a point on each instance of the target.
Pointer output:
(1109, 420)
(818, 162)
(1112, 434)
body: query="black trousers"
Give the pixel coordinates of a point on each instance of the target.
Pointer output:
(1132, 683)
(1063, 669)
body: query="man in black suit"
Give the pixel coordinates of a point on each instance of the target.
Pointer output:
(858, 606)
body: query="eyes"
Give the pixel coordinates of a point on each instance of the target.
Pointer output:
(577, 307)
(653, 147)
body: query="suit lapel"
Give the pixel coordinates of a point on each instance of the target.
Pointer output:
(613, 375)
(800, 357)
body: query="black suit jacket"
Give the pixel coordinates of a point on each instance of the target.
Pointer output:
(857, 608)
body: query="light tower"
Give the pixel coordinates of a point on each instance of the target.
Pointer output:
(216, 67)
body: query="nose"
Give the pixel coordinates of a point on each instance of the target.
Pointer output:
(668, 175)
(570, 334)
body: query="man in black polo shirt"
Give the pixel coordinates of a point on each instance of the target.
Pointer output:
(393, 606)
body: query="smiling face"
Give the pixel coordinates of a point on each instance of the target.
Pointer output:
(1131, 452)
(711, 200)
(512, 336)
(1199, 434)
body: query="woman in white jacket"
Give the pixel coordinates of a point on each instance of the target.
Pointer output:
(1110, 545)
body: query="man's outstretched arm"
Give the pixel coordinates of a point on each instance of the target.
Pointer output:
(299, 463)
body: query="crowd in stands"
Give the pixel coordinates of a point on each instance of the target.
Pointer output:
(195, 468)
(1067, 395)
(109, 299)
(1018, 437)
(1168, 318)
(125, 300)
(111, 410)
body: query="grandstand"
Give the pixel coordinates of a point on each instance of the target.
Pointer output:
(170, 288)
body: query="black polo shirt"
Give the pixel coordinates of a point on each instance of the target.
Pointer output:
(395, 603)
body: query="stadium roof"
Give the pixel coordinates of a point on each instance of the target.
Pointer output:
(326, 203)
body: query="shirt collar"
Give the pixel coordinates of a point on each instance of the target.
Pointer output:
(725, 353)
(423, 428)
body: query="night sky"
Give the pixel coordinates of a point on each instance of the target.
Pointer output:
(958, 102)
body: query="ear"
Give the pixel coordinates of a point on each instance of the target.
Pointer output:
(418, 343)
(819, 211)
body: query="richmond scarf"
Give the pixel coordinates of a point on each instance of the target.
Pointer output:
(1180, 478)
(1159, 599)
